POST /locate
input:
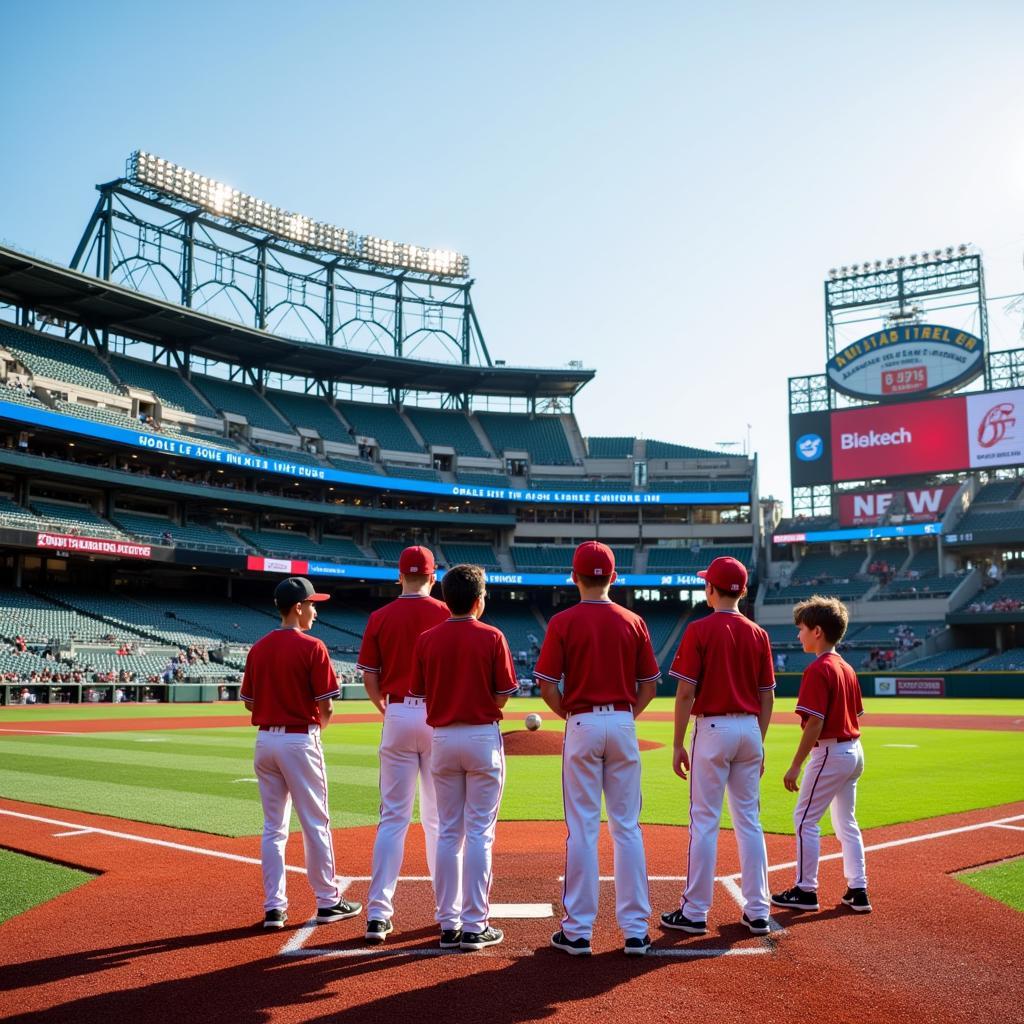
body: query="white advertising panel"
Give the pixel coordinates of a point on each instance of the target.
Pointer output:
(995, 429)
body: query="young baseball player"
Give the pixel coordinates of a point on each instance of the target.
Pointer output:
(727, 682)
(289, 686)
(463, 669)
(829, 705)
(385, 659)
(601, 654)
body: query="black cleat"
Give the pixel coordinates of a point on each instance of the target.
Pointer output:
(451, 938)
(339, 912)
(637, 947)
(274, 919)
(677, 921)
(378, 931)
(857, 899)
(574, 947)
(796, 899)
(477, 940)
(757, 926)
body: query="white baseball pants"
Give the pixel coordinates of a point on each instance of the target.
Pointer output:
(290, 768)
(468, 763)
(725, 757)
(404, 756)
(830, 780)
(601, 754)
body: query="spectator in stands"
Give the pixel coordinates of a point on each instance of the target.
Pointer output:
(994, 574)
(780, 661)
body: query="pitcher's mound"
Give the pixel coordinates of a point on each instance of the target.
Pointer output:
(545, 741)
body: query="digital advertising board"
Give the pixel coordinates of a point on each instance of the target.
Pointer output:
(984, 430)
(923, 505)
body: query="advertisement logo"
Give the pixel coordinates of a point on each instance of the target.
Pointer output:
(810, 447)
(995, 424)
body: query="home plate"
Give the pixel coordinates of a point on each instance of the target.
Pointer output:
(521, 911)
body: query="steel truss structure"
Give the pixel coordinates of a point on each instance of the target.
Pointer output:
(157, 244)
(894, 292)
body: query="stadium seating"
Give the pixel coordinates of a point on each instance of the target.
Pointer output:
(310, 411)
(945, 661)
(13, 515)
(801, 524)
(558, 558)
(884, 634)
(67, 361)
(287, 454)
(185, 535)
(845, 590)
(354, 465)
(73, 518)
(542, 436)
(456, 553)
(824, 567)
(389, 550)
(242, 399)
(97, 413)
(701, 486)
(483, 479)
(610, 447)
(22, 396)
(677, 559)
(923, 565)
(665, 450)
(347, 620)
(927, 587)
(1009, 661)
(382, 423)
(289, 544)
(985, 520)
(518, 623)
(411, 472)
(561, 483)
(661, 618)
(1007, 594)
(998, 491)
(167, 384)
(39, 620)
(453, 429)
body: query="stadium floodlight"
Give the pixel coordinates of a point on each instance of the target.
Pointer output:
(833, 274)
(223, 201)
(962, 249)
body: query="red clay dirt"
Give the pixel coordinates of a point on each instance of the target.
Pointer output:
(1002, 723)
(167, 935)
(522, 742)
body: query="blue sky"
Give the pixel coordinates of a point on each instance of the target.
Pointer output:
(657, 190)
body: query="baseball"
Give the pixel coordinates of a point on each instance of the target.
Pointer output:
(533, 721)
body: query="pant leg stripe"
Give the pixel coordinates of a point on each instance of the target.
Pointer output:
(800, 827)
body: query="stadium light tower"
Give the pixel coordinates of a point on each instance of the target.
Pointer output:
(197, 241)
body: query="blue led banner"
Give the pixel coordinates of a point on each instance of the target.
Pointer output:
(862, 533)
(199, 451)
(495, 578)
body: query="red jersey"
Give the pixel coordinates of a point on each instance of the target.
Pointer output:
(728, 659)
(390, 637)
(286, 673)
(829, 690)
(602, 650)
(460, 666)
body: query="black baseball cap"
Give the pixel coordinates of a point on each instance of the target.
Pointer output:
(295, 589)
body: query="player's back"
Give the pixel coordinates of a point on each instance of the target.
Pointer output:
(390, 637)
(284, 671)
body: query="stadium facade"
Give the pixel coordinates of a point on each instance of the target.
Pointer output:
(219, 392)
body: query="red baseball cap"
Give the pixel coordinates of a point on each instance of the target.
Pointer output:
(416, 561)
(592, 558)
(727, 574)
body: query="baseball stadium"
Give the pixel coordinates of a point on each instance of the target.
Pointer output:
(217, 393)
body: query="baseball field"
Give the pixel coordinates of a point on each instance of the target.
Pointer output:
(129, 880)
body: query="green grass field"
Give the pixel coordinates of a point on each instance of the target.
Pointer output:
(28, 881)
(202, 779)
(1003, 882)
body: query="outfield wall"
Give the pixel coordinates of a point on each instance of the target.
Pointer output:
(923, 684)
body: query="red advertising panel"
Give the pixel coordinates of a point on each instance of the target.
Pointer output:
(921, 506)
(897, 440)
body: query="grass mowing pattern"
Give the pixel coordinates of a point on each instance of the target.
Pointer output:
(1003, 882)
(202, 779)
(25, 882)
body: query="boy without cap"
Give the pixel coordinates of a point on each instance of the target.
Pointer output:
(829, 705)
(289, 686)
(385, 659)
(601, 653)
(727, 682)
(463, 670)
